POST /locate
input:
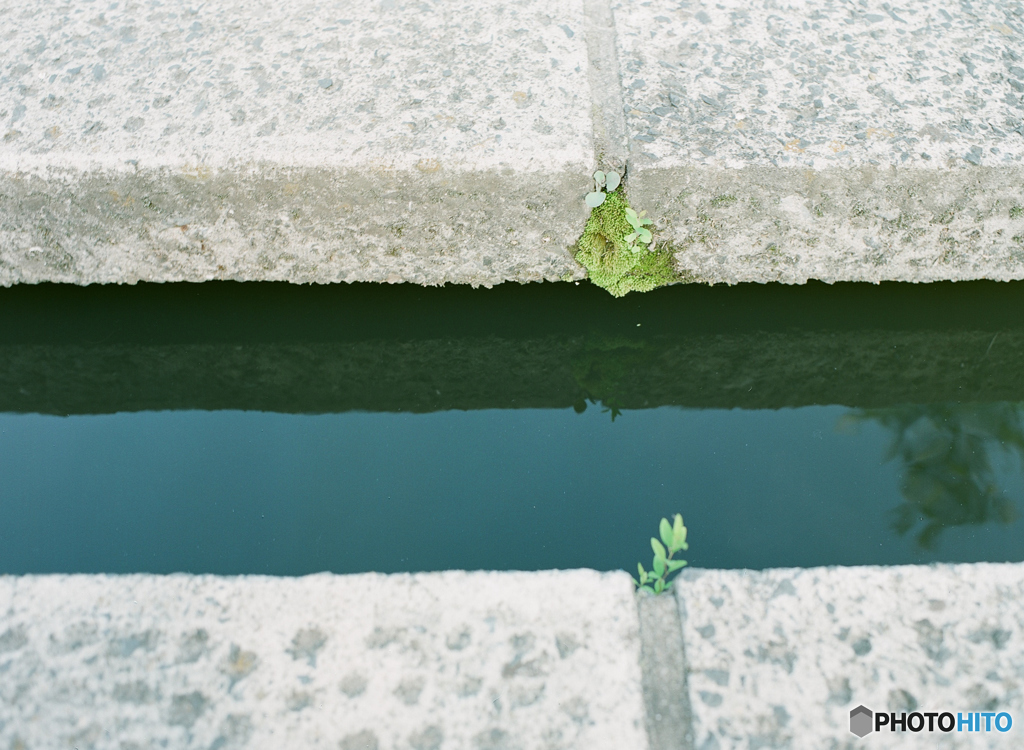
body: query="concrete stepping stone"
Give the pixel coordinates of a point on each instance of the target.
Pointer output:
(841, 142)
(486, 660)
(492, 660)
(307, 141)
(454, 142)
(780, 658)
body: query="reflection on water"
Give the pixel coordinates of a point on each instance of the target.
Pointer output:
(233, 492)
(604, 367)
(949, 454)
(268, 428)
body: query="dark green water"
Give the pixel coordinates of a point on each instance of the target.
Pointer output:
(231, 428)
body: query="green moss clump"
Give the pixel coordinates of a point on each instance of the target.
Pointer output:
(610, 263)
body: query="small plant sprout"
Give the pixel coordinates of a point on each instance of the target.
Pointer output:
(609, 245)
(640, 232)
(603, 181)
(673, 539)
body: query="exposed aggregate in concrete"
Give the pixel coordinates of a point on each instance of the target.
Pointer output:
(814, 85)
(779, 658)
(506, 661)
(488, 661)
(301, 141)
(835, 141)
(453, 142)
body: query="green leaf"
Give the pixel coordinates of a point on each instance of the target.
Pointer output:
(659, 550)
(630, 213)
(595, 199)
(629, 238)
(666, 533)
(645, 235)
(659, 586)
(643, 573)
(644, 222)
(678, 532)
(659, 566)
(599, 178)
(635, 582)
(613, 181)
(674, 565)
(648, 589)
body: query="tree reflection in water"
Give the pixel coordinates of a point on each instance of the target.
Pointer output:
(948, 452)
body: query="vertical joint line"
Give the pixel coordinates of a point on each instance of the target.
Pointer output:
(669, 716)
(610, 140)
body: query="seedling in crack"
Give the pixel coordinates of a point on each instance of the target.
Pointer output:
(604, 181)
(673, 539)
(640, 232)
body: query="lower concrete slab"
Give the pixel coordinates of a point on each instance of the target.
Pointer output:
(489, 661)
(779, 658)
(551, 660)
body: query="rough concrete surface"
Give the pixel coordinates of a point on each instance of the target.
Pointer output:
(307, 141)
(507, 661)
(835, 141)
(453, 141)
(483, 661)
(777, 659)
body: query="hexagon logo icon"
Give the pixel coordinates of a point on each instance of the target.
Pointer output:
(861, 721)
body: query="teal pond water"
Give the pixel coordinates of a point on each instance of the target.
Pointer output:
(237, 429)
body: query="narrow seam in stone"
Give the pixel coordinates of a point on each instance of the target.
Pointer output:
(610, 142)
(663, 674)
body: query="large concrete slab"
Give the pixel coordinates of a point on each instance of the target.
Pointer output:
(835, 140)
(487, 661)
(304, 141)
(507, 661)
(453, 141)
(777, 659)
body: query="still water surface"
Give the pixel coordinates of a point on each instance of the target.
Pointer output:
(781, 482)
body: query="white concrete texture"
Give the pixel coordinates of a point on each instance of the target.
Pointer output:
(837, 140)
(309, 141)
(453, 141)
(483, 661)
(777, 659)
